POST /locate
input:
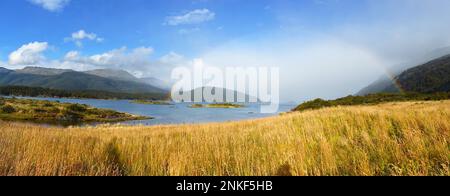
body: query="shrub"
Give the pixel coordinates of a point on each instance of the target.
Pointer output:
(77, 108)
(7, 109)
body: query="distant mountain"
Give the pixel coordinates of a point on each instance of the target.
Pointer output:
(115, 74)
(378, 86)
(4, 70)
(72, 80)
(225, 93)
(156, 82)
(118, 74)
(43, 71)
(385, 83)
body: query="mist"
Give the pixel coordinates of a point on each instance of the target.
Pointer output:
(342, 59)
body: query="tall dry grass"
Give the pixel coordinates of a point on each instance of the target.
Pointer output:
(389, 139)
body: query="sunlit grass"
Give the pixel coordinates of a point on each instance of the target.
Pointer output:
(390, 139)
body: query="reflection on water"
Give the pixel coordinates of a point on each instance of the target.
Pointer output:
(175, 114)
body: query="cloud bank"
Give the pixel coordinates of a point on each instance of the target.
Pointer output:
(137, 61)
(28, 54)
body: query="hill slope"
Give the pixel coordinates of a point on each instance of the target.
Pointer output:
(433, 76)
(115, 74)
(430, 77)
(43, 71)
(382, 84)
(4, 70)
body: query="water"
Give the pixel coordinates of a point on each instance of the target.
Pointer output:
(175, 114)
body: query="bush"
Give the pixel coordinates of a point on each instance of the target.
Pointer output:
(77, 108)
(7, 109)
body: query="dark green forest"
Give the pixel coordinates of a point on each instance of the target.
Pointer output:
(46, 92)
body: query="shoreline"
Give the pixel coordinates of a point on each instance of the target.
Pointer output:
(121, 124)
(62, 114)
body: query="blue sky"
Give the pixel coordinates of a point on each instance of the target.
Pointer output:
(135, 23)
(324, 48)
(131, 23)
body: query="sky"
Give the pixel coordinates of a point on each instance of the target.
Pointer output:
(324, 48)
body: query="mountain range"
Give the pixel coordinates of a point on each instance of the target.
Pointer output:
(122, 75)
(109, 80)
(430, 74)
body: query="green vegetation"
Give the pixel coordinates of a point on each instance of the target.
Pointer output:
(45, 92)
(58, 113)
(433, 76)
(371, 100)
(430, 77)
(151, 102)
(217, 105)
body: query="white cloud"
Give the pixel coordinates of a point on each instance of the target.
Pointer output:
(51, 5)
(137, 60)
(122, 58)
(28, 54)
(81, 35)
(193, 17)
(172, 58)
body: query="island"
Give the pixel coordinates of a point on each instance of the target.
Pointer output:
(218, 105)
(56, 113)
(151, 102)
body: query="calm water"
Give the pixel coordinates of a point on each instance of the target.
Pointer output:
(175, 114)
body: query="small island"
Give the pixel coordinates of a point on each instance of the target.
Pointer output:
(151, 102)
(217, 105)
(56, 113)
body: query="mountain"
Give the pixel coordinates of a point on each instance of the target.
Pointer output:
(378, 86)
(225, 93)
(43, 71)
(156, 82)
(385, 83)
(4, 70)
(115, 74)
(430, 77)
(73, 81)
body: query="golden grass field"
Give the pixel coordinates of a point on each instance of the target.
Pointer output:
(390, 139)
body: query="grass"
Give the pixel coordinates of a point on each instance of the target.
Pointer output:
(150, 102)
(408, 138)
(217, 105)
(372, 99)
(58, 113)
